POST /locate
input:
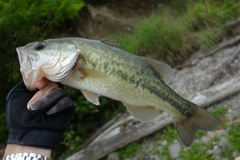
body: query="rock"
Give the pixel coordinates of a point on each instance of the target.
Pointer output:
(159, 148)
(156, 157)
(174, 149)
(147, 156)
(199, 98)
(216, 150)
(205, 139)
(223, 143)
(235, 154)
(113, 156)
(164, 143)
(237, 158)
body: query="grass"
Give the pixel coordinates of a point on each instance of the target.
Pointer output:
(220, 111)
(200, 150)
(196, 151)
(165, 153)
(168, 134)
(207, 20)
(200, 133)
(128, 151)
(154, 34)
(174, 34)
(228, 154)
(233, 135)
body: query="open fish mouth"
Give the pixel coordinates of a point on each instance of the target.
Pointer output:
(21, 54)
(28, 68)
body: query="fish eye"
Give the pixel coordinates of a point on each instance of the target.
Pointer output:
(39, 46)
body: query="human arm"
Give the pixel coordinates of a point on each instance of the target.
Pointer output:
(15, 148)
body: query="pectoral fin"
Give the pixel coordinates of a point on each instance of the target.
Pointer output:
(91, 97)
(162, 70)
(142, 113)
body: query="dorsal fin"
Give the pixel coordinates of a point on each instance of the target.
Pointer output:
(163, 70)
(110, 42)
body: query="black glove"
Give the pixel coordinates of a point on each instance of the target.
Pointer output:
(43, 126)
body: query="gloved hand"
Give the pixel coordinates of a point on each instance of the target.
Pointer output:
(44, 124)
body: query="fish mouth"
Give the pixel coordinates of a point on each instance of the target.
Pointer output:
(28, 70)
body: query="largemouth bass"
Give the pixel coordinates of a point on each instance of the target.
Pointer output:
(97, 68)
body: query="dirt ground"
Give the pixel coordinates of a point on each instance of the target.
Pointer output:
(98, 20)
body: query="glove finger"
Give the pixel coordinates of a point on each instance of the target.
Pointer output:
(62, 105)
(47, 102)
(57, 122)
(41, 93)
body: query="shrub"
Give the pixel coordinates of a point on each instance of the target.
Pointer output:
(25, 21)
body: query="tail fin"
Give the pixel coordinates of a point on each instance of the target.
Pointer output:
(199, 119)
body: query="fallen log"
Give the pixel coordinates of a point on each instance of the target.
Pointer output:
(99, 131)
(104, 133)
(203, 99)
(223, 67)
(228, 43)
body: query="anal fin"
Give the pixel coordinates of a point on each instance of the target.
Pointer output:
(91, 97)
(142, 113)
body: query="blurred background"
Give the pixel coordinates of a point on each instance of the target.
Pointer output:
(168, 30)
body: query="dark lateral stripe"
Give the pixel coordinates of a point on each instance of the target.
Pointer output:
(160, 89)
(167, 95)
